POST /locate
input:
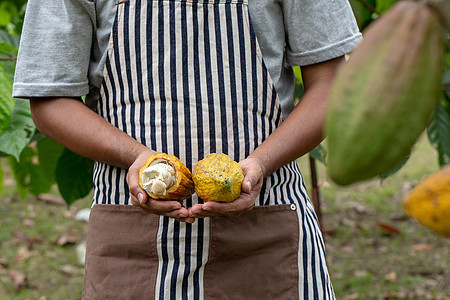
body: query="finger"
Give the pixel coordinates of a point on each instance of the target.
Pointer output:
(162, 206)
(194, 209)
(237, 205)
(186, 220)
(181, 215)
(211, 209)
(251, 179)
(135, 189)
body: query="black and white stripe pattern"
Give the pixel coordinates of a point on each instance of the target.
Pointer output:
(186, 77)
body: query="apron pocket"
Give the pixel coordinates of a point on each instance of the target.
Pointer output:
(254, 256)
(121, 259)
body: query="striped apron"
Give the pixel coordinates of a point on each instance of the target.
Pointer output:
(186, 77)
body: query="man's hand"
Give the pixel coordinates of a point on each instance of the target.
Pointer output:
(140, 198)
(254, 174)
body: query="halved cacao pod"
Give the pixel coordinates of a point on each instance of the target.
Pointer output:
(382, 98)
(429, 202)
(217, 178)
(182, 186)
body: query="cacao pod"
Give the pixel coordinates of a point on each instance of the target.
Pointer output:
(382, 98)
(164, 176)
(217, 178)
(429, 202)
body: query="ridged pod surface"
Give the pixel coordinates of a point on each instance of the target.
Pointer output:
(182, 188)
(429, 202)
(382, 98)
(217, 178)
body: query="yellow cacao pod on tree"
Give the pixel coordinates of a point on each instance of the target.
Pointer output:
(217, 178)
(429, 202)
(164, 176)
(382, 98)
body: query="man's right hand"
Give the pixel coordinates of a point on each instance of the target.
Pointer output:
(140, 198)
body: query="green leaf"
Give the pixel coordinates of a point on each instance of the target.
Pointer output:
(6, 37)
(6, 100)
(7, 49)
(2, 174)
(21, 130)
(439, 134)
(384, 5)
(8, 11)
(29, 174)
(8, 67)
(363, 11)
(299, 91)
(446, 82)
(16, 170)
(49, 153)
(319, 153)
(74, 176)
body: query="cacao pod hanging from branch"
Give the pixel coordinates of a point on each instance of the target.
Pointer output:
(382, 98)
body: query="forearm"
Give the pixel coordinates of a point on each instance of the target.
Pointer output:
(69, 122)
(302, 130)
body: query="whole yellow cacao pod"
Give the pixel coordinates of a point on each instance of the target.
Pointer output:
(217, 178)
(429, 202)
(382, 98)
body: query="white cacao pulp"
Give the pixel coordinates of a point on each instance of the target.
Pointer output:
(158, 177)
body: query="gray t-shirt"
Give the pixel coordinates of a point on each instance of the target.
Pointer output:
(64, 43)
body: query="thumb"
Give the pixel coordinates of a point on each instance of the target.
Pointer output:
(251, 178)
(246, 185)
(134, 188)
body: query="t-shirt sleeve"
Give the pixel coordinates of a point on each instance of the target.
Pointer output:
(319, 30)
(55, 47)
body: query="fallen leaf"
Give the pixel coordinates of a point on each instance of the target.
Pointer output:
(390, 229)
(350, 297)
(19, 237)
(68, 214)
(66, 239)
(51, 199)
(3, 263)
(392, 277)
(19, 279)
(329, 230)
(69, 270)
(28, 223)
(31, 241)
(23, 253)
(422, 247)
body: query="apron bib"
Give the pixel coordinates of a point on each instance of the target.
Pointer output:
(186, 77)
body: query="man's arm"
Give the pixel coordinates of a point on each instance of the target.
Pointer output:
(69, 122)
(301, 132)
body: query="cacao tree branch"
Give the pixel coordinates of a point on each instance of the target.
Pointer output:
(8, 58)
(315, 199)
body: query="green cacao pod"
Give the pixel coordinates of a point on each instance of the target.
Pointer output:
(382, 97)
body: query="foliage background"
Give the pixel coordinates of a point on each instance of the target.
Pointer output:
(374, 250)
